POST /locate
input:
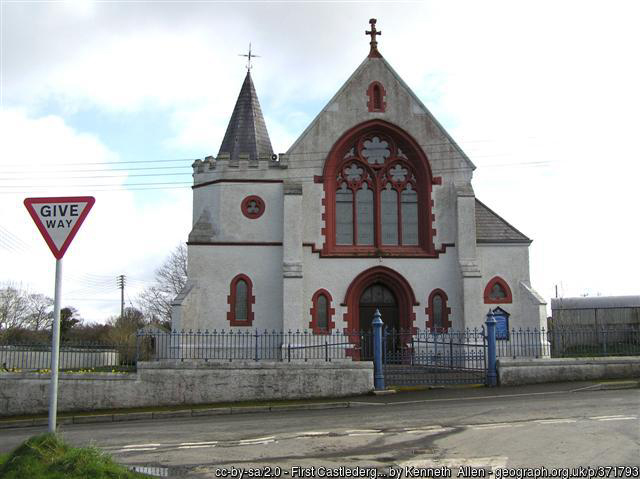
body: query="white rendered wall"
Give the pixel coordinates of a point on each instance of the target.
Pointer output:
(211, 269)
(424, 275)
(511, 263)
(223, 202)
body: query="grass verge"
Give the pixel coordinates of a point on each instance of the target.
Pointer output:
(47, 456)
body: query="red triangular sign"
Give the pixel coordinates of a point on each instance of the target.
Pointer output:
(59, 219)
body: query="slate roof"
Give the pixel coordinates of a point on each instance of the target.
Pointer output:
(491, 228)
(247, 131)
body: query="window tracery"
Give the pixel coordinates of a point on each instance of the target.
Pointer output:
(377, 200)
(497, 291)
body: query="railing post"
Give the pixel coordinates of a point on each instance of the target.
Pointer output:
(378, 374)
(491, 350)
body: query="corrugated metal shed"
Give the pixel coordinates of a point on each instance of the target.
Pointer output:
(596, 302)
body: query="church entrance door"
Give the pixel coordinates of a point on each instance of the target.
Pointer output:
(377, 296)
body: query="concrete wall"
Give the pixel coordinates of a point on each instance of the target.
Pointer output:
(185, 383)
(515, 372)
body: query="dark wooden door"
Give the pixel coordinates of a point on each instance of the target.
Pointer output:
(376, 296)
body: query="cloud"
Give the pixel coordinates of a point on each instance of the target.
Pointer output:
(121, 235)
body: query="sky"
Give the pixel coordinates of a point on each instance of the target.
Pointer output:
(116, 99)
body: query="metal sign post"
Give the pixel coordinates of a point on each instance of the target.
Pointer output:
(58, 220)
(55, 349)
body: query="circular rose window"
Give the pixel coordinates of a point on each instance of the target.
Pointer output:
(252, 207)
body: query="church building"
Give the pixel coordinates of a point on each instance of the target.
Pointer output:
(371, 207)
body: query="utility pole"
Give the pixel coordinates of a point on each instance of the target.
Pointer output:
(121, 281)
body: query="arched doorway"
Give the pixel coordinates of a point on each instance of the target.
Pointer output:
(383, 288)
(378, 296)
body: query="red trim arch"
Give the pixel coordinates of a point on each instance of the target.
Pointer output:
(424, 178)
(487, 291)
(330, 312)
(446, 322)
(395, 282)
(231, 301)
(376, 102)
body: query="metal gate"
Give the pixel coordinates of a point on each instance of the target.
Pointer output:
(431, 358)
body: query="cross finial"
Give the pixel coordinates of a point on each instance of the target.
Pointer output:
(249, 56)
(374, 44)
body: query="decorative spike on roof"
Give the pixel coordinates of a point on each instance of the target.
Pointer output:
(373, 52)
(247, 131)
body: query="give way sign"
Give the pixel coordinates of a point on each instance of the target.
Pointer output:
(59, 219)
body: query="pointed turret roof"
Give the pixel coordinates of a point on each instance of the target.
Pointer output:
(247, 131)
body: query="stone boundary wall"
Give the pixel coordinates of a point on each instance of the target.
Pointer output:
(515, 372)
(166, 383)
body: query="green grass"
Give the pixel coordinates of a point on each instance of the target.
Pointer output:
(48, 457)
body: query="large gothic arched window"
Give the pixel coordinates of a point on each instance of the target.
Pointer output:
(378, 186)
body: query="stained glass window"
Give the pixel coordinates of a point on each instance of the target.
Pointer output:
(389, 215)
(241, 301)
(322, 312)
(364, 206)
(344, 215)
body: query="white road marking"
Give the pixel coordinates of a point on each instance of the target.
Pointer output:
(314, 433)
(133, 449)
(197, 443)
(428, 431)
(196, 446)
(266, 438)
(493, 426)
(618, 418)
(555, 421)
(255, 443)
(143, 445)
(597, 418)
(365, 434)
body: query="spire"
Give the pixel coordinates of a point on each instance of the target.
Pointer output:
(247, 131)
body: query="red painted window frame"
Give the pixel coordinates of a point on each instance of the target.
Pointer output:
(331, 311)
(371, 103)
(487, 291)
(231, 300)
(245, 207)
(424, 181)
(446, 311)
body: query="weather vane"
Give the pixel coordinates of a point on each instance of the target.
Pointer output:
(249, 56)
(374, 44)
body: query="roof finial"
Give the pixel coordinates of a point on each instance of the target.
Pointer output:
(249, 56)
(374, 44)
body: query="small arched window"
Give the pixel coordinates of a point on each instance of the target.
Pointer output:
(241, 300)
(321, 312)
(438, 312)
(376, 95)
(497, 291)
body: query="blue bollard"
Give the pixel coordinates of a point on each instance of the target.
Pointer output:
(378, 374)
(492, 378)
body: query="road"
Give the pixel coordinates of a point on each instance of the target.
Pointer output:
(551, 429)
